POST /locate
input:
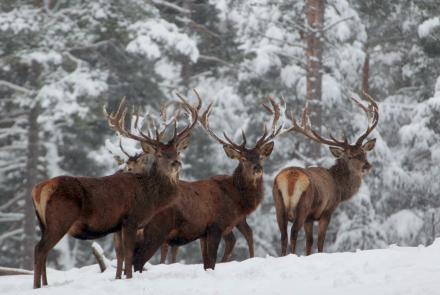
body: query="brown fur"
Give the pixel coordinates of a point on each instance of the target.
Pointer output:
(320, 192)
(207, 210)
(92, 207)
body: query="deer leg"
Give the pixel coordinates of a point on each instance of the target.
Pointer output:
(47, 242)
(119, 249)
(174, 252)
(282, 221)
(322, 230)
(163, 252)
(129, 240)
(155, 235)
(229, 246)
(246, 231)
(204, 250)
(214, 235)
(52, 232)
(296, 227)
(44, 274)
(308, 228)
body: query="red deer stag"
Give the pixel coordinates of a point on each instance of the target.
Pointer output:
(92, 207)
(209, 209)
(305, 195)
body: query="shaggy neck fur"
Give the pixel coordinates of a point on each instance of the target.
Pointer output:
(347, 182)
(251, 190)
(161, 178)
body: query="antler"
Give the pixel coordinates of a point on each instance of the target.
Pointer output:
(372, 114)
(276, 112)
(193, 112)
(204, 120)
(117, 123)
(306, 129)
(122, 149)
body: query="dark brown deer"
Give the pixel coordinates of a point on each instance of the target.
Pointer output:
(92, 207)
(209, 209)
(305, 195)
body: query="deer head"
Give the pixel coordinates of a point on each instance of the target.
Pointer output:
(354, 155)
(250, 159)
(133, 164)
(167, 155)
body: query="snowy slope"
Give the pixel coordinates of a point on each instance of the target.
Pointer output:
(396, 270)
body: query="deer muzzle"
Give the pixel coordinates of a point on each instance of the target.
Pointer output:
(366, 168)
(176, 165)
(258, 170)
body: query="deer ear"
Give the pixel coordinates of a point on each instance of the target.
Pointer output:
(148, 149)
(183, 144)
(336, 152)
(267, 149)
(231, 153)
(369, 145)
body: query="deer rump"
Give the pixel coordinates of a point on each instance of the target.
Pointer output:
(201, 205)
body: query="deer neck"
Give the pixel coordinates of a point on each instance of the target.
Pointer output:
(347, 182)
(162, 179)
(250, 189)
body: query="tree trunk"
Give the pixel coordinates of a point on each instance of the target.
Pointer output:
(31, 179)
(366, 72)
(185, 72)
(315, 22)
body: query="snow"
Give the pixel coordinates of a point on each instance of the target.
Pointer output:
(149, 35)
(402, 225)
(428, 26)
(396, 270)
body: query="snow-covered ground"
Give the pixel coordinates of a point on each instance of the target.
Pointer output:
(396, 270)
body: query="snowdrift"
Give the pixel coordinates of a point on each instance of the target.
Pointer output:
(396, 270)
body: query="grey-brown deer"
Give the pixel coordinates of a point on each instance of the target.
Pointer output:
(92, 207)
(133, 164)
(305, 195)
(209, 209)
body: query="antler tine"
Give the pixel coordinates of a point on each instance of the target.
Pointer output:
(164, 117)
(193, 112)
(204, 121)
(276, 112)
(372, 112)
(233, 144)
(122, 149)
(243, 135)
(199, 99)
(306, 130)
(117, 123)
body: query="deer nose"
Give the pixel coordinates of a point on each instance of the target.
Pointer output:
(258, 169)
(176, 164)
(367, 166)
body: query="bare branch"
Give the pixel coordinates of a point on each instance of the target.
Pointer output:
(336, 23)
(15, 87)
(10, 202)
(11, 234)
(171, 5)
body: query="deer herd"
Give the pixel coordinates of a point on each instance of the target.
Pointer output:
(150, 208)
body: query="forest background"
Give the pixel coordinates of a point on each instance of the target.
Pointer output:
(61, 61)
